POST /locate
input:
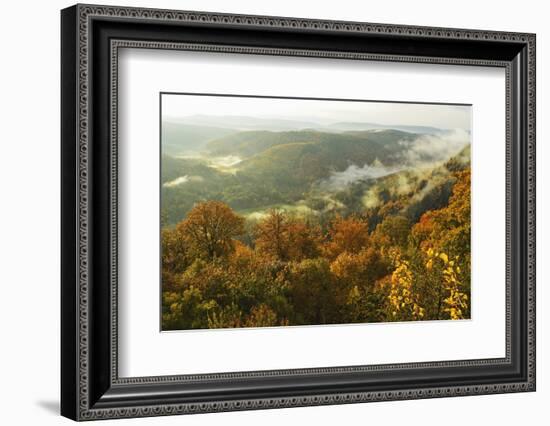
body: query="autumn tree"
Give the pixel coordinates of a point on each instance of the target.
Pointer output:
(455, 303)
(219, 271)
(391, 208)
(174, 257)
(448, 230)
(361, 269)
(396, 229)
(431, 280)
(184, 309)
(286, 238)
(304, 239)
(272, 237)
(346, 235)
(404, 301)
(228, 316)
(262, 316)
(358, 275)
(210, 229)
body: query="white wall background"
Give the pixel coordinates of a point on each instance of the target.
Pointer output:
(29, 213)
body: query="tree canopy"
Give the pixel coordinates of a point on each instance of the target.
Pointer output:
(210, 229)
(293, 271)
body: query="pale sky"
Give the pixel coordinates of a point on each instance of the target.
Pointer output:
(176, 106)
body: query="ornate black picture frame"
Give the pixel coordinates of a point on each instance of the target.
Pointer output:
(91, 36)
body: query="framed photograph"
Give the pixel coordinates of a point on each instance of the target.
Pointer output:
(263, 212)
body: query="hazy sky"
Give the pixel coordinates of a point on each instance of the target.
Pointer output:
(175, 106)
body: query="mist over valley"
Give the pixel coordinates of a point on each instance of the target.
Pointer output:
(305, 168)
(284, 212)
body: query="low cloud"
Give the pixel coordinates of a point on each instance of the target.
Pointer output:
(181, 180)
(428, 149)
(226, 161)
(354, 173)
(371, 198)
(423, 152)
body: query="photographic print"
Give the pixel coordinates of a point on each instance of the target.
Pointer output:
(298, 211)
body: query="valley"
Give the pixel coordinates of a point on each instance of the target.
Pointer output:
(284, 223)
(310, 173)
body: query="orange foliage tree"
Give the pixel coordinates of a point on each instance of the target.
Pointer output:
(210, 229)
(346, 235)
(290, 271)
(285, 238)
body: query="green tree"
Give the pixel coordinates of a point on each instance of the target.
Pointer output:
(396, 229)
(314, 293)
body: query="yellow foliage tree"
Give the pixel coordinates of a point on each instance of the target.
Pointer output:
(448, 228)
(404, 304)
(456, 302)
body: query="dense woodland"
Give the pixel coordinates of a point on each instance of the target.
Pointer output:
(391, 248)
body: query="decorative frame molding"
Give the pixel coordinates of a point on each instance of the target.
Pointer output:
(87, 397)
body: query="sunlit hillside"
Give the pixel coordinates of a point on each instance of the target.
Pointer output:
(339, 224)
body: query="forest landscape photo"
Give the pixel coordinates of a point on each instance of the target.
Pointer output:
(288, 212)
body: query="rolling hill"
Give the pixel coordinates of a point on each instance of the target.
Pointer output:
(312, 170)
